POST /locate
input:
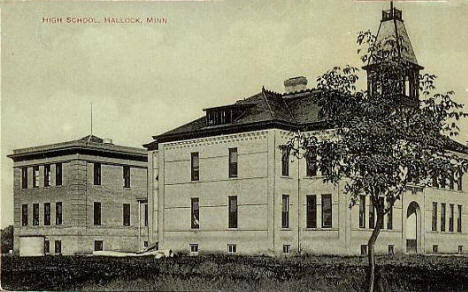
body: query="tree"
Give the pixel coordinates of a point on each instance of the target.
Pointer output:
(7, 239)
(386, 141)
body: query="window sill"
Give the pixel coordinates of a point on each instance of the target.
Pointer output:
(285, 229)
(320, 229)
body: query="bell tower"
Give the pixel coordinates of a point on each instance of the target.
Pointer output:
(392, 68)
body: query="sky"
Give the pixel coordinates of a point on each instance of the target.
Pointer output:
(146, 78)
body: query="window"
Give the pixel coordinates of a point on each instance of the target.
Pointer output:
(58, 247)
(231, 248)
(126, 214)
(362, 211)
(435, 248)
(460, 249)
(285, 163)
(36, 176)
(46, 175)
(24, 215)
(434, 216)
(232, 212)
(371, 214)
(391, 250)
(145, 243)
(35, 214)
(58, 213)
(24, 177)
(363, 249)
(285, 212)
(459, 219)
(195, 166)
(442, 217)
(326, 211)
(311, 162)
(98, 245)
(58, 174)
(97, 213)
(382, 205)
(390, 219)
(46, 213)
(126, 176)
(195, 223)
(459, 180)
(46, 246)
(451, 180)
(435, 183)
(146, 214)
(232, 162)
(97, 173)
(193, 249)
(286, 248)
(451, 217)
(311, 214)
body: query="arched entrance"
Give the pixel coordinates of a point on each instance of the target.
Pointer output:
(412, 227)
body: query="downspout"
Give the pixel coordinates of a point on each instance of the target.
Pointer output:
(298, 210)
(139, 225)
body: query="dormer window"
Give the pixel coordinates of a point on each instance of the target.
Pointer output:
(224, 114)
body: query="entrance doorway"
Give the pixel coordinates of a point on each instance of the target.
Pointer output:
(412, 227)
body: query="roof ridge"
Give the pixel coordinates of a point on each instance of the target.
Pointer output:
(266, 100)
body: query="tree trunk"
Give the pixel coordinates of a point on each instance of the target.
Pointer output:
(371, 253)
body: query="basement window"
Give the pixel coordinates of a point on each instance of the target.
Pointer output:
(391, 250)
(435, 248)
(364, 249)
(232, 248)
(193, 249)
(98, 245)
(286, 248)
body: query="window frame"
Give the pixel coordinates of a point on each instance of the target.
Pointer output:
(233, 215)
(285, 162)
(97, 213)
(24, 177)
(451, 217)
(98, 245)
(58, 219)
(311, 211)
(195, 169)
(311, 163)
(324, 197)
(285, 211)
(233, 165)
(36, 174)
(459, 218)
(362, 211)
(97, 173)
(46, 175)
(126, 174)
(195, 213)
(231, 248)
(24, 215)
(47, 213)
(126, 221)
(58, 247)
(36, 214)
(58, 174)
(443, 211)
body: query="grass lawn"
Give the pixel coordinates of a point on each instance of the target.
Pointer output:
(219, 272)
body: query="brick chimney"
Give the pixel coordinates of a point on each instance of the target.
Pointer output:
(295, 84)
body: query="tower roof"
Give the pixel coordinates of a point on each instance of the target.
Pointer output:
(392, 29)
